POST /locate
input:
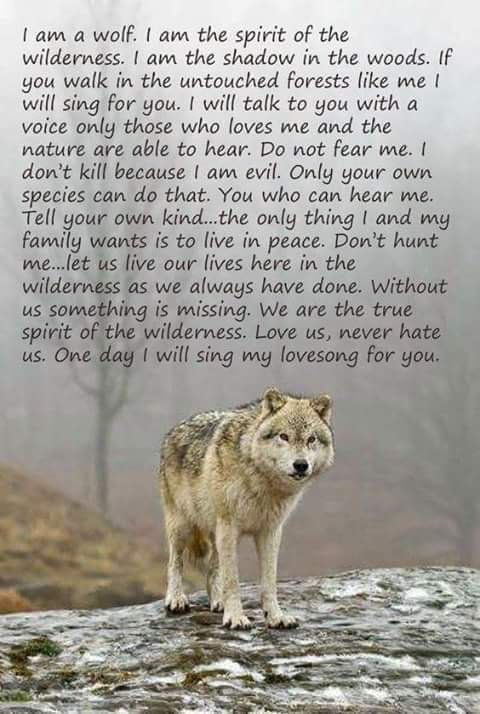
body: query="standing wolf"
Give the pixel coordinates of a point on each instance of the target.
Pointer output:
(225, 474)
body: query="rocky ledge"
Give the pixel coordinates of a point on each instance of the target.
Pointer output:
(397, 640)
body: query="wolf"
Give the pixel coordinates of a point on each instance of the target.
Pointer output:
(225, 474)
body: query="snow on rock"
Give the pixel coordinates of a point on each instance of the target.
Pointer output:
(397, 640)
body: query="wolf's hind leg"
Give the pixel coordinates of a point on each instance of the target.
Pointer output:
(177, 534)
(214, 586)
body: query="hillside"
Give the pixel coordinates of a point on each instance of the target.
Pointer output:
(55, 553)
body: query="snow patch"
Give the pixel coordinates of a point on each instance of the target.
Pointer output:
(404, 662)
(421, 679)
(417, 594)
(450, 702)
(335, 695)
(354, 589)
(228, 665)
(377, 694)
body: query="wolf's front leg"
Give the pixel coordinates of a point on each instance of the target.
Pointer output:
(227, 540)
(267, 542)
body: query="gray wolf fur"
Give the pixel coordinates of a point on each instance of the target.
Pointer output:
(230, 473)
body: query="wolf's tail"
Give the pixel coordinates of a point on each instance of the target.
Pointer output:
(198, 549)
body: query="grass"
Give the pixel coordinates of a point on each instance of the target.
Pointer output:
(108, 677)
(195, 679)
(11, 601)
(66, 675)
(19, 655)
(16, 696)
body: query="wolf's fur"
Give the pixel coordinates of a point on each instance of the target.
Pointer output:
(225, 474)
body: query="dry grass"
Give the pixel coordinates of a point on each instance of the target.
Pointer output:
(11, 601)
(55, 553)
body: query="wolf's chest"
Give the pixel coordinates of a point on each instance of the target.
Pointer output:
(256, 510)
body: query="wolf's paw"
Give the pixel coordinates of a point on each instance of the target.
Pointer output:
(279, 621)
(177, 604)
(236, 622)
(216, 606)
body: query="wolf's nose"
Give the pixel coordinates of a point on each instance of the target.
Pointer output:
(300, 466)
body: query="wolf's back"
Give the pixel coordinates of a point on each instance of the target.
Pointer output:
(185, 446)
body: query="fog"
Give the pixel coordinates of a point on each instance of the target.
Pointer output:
(405, 488)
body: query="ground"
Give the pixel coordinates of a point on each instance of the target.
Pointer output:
(386, 640)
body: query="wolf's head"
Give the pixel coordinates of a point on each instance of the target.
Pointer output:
(294, 439)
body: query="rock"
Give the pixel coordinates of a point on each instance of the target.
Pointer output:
(397, 640)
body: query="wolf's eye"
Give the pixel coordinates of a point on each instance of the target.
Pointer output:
(311, 440)
(283, 437)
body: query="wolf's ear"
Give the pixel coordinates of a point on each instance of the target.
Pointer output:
(323, 406)
(273, 400)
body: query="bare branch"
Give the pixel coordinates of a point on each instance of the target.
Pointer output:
(84, 386)
(122, 394)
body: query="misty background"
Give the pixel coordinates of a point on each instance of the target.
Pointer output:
(405, 488)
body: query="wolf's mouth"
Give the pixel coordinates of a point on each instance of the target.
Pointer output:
(298, 476)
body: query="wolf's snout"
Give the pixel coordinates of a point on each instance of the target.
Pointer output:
(300, 466)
